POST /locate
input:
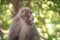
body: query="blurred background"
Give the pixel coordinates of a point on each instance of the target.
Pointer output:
(46, 14)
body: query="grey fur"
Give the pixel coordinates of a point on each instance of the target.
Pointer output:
(20, 30)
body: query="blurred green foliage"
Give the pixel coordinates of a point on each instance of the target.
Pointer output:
(46, 13)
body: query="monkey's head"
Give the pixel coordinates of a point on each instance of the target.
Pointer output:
(27, 15)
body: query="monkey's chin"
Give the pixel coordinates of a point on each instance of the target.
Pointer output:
(30, 22)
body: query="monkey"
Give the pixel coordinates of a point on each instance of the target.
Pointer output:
(23, 27)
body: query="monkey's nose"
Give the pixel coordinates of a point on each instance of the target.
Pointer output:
(31, 18)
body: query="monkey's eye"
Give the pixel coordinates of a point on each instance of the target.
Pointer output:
(30, 12)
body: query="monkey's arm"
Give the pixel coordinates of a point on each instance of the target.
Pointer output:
(36, 35)
(14, 29)
(11, 35)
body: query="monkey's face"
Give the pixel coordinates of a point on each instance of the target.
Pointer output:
(27, 16)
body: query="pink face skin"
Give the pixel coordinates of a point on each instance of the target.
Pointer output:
(28, 15)
(31, 19)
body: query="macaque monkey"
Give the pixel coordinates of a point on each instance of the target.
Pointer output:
(23, 27)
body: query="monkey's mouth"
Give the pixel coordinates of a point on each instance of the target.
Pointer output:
(30, 22)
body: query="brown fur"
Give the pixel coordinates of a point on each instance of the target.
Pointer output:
(22, 27)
